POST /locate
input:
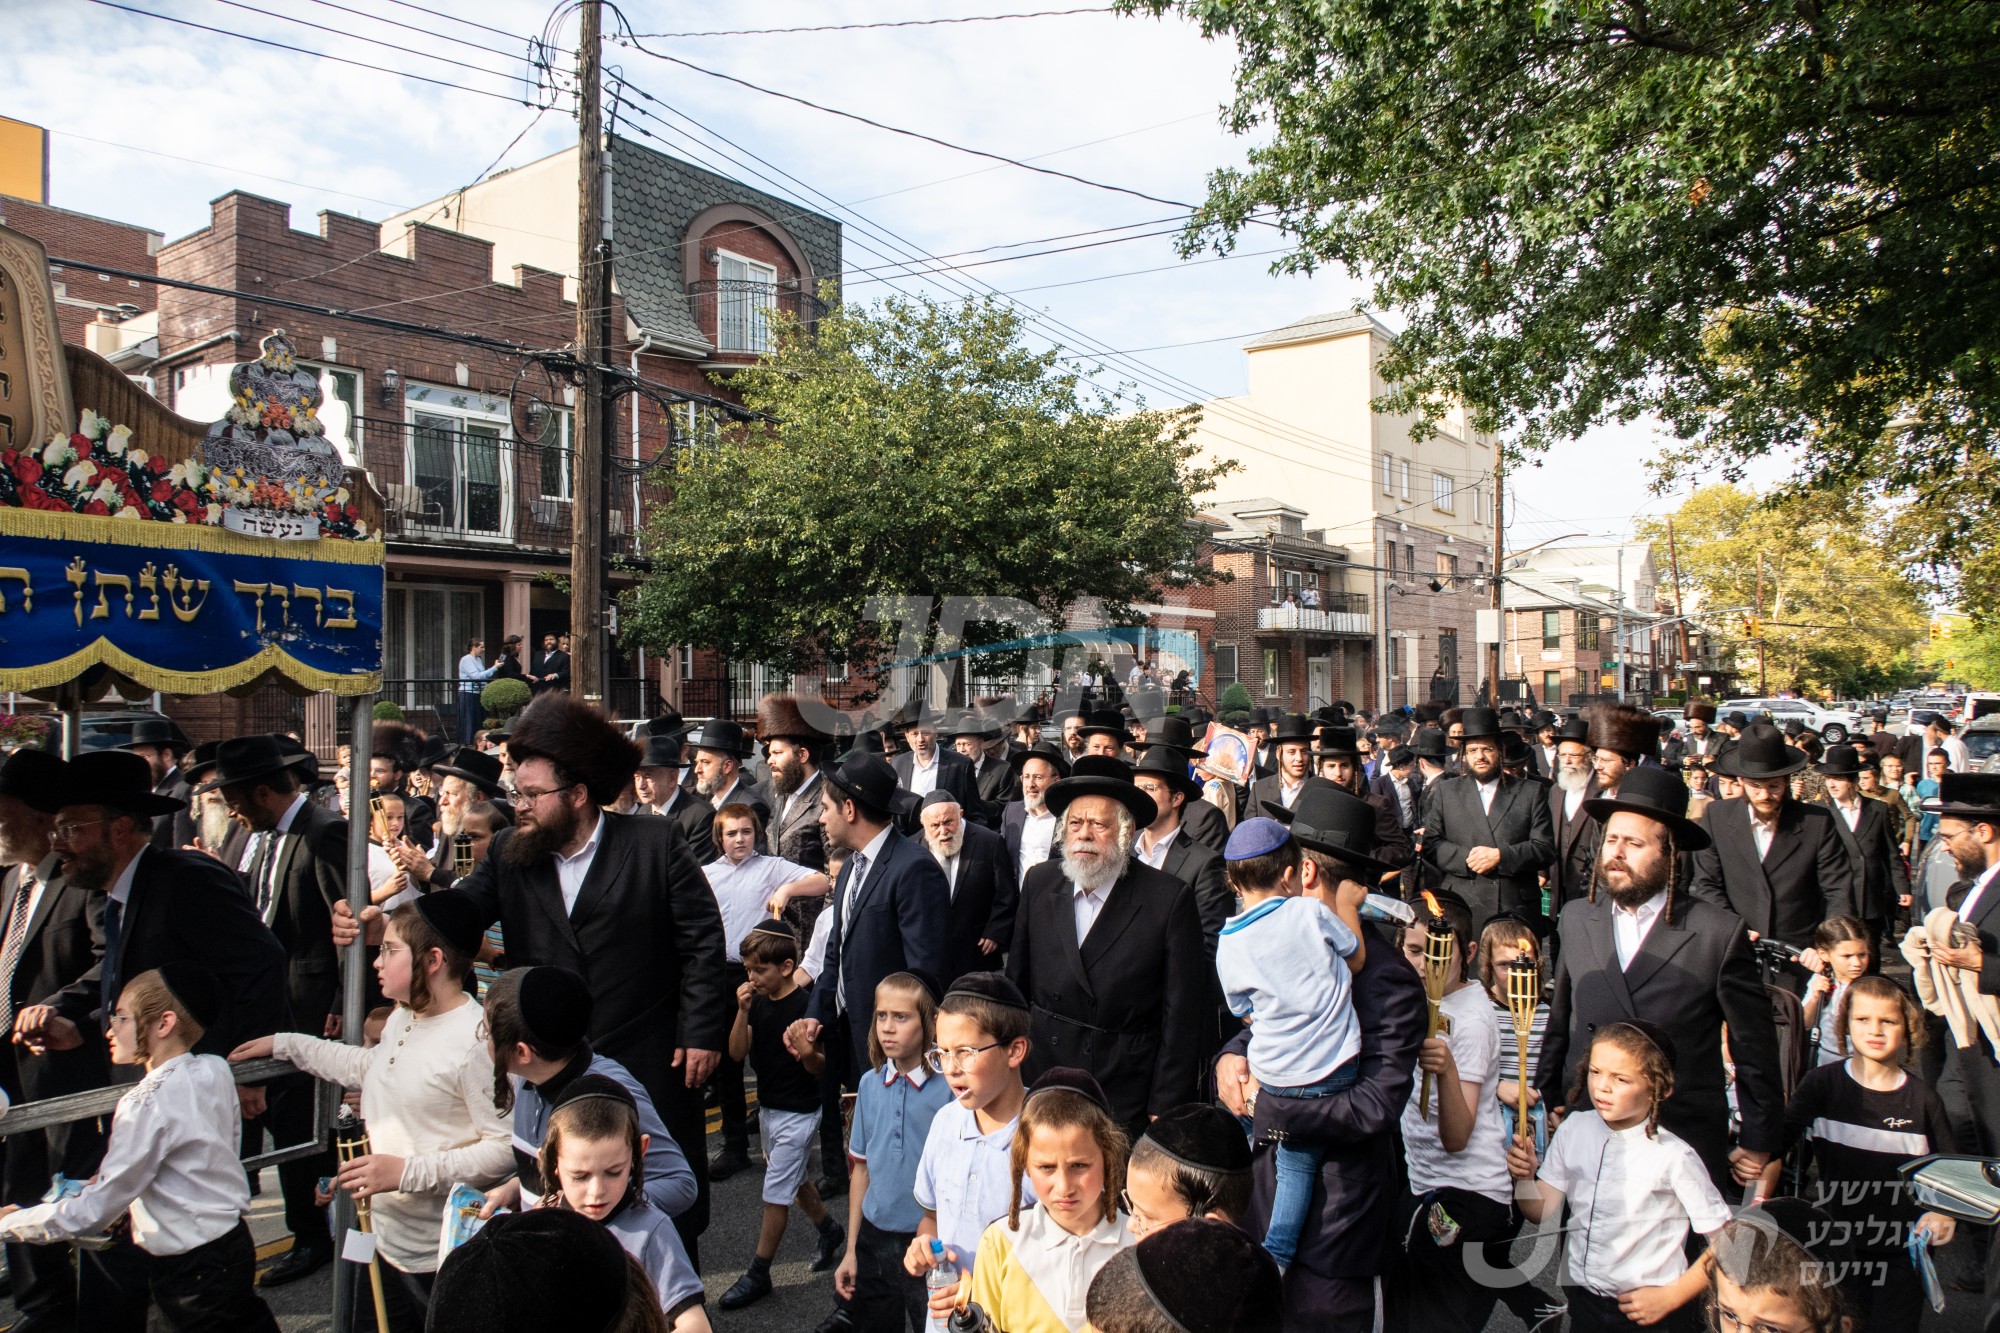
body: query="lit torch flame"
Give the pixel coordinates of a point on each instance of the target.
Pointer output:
(1431, 903)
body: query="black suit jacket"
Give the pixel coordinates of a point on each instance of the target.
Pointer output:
(997, 783)
(954, 774)
(1692, 974)
(1874, 859)
(1199, 866)
(900, 920)
(188, 907)
(176, 828)
(310, 877)
(743, 792)
(1132, 1004)
(982, 903)
(1576, 842)
(645, 934)
(1455, 822)
(1014, 818)
(1384, 786)
(695, 818)
(1802, 881)
(65, 940)
(1675, 754)
(553, 664)
(1203, 822)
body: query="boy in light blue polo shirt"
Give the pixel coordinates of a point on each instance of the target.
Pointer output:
(1281, 965)
(965, 1181)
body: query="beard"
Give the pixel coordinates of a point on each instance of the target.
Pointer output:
(451, 821)
(1971, 863)
(534, 840)
(1572, 779)
(1034, 805)
(1639, 886)
(215, 825)
(943, 847)
(787, 777)
(707, 788)
(1093, 872)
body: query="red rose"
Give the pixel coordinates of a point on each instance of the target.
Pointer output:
(163, 490)
(185, 502)
(81, 443)
(157, 465)
(7, 458)
(354, 511)
(99, 508)
(28, 469)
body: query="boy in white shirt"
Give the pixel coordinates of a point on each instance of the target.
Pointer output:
(1281, 964)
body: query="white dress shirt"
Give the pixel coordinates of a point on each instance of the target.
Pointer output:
(1761, 832)
(1630, 928)
(1154, 853)
(950, 866)
(1038, 834)
(743, 894)
(173, 1162)
(1088, 907)
(570, 870)
(1487, 791)
(857, 876)
(1851, 813)
(1287, 794)
(1572, 802)
(923, 777)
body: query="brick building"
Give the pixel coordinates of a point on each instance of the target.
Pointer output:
(1292, 623)
(83, 295)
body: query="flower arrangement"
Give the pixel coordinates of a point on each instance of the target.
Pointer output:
(23, 730)
(98, 470)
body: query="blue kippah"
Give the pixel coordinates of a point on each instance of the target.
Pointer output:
(1254, 837)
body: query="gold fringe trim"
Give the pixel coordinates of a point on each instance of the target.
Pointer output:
(270, 658)
(52, 526)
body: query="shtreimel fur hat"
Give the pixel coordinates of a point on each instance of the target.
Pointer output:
(577, 739)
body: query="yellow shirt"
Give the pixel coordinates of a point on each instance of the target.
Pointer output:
(1034, 1280)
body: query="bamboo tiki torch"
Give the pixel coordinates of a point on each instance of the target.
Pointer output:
(1440, 948)
(350, 1140)
(1524, 992)
(461, 855)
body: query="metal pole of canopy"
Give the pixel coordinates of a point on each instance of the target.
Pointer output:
(72, 721)
(353, 967)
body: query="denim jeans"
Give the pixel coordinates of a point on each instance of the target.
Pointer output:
(1298, 1167)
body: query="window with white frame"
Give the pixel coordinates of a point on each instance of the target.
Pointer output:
(745, 294)
(1388, 474)
(456, 460)
(557, 452)
(697, 428)
(1405, 465)
(1225, 667)
(1441, 491)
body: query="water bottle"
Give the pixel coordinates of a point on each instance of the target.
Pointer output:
(944, 1273)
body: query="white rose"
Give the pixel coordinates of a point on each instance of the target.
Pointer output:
(129, 511)
(80, 475)
(121, 436)
(88, 424)
(58, 453)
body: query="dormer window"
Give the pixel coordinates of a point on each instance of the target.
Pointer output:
(745, 294)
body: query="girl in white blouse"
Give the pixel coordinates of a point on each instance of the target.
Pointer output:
(426, 1095)
(172, 1162)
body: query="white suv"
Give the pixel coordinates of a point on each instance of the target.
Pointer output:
(1833, 725)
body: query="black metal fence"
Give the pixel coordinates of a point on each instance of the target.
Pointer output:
(737, 314)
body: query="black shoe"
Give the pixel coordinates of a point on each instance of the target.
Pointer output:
(837, 1322)
(752, 1287)
(830, 1186)
(298, 1262)
(831, 1245)
(728, 1162)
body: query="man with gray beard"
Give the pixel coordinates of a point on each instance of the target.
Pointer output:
(1576, 832)
(1636, 948)
(1109, 952)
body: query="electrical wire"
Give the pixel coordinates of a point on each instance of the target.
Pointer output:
(897, 23)
(357, 37)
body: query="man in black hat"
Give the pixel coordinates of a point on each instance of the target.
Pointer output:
(1027, 824)
(1108, 951)
(721, 748)
(1487, 834)
(395, 756)
(298, 870)
(1200, 818)
(891, 908)
(792, 750)
(617, 899)
(926, 766)
(659, 793)
(1291, 750)
(465, 778)
(550, 670)
(1349, 1241)
(984, 891)
(160, 907)
(52, 930)
(1401, 786)
(159, 742)
(1545, 726)
(1575, 832)
(1166, 844)
(1773, 860)
(1336, 758)
(1869, 834)
(984, 745)
(1700, 740)
(1634, 948)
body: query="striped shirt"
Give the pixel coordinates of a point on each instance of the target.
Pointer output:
(1860, 1137)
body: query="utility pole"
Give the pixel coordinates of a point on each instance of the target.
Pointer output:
(593, 335)
(1760, 626)
(1680, 612)
(1499, 546)
(1618, 644)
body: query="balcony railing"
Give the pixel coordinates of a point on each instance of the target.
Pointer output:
(1347, 613)
(736, 314)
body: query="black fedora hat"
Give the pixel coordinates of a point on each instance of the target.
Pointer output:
(1027, 715)
(1542, 720)
(35, 778)
(1842, 761)
(669, 723)
(482, 770)
(1760, 752)
(1167, 762)
(1657, 793)
(1175, 732)
(664, 751)
(1334, 822)
(1478, 724)
(1974, 796)
(1106, 722)
(1048, 750)
(1101, 775)
(972, 723)
(119, 779)
(248, 758)
(869, 779)
(1337, 743)
(199, 761)
(1291, 727)
(1429, 743)
(157, 731)
(723, 737)
(1574, 729)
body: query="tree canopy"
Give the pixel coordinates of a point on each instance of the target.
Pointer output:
(1772, 225)
(914, 450)
(1840, 617)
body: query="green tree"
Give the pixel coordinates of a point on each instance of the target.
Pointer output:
(1840, 617)
(1769, 224)
(915, 450)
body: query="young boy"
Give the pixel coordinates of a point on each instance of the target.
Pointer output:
(172, 1164)
(1460, 1194)
(788, 1100)
(1281, 964)
(965, 1179)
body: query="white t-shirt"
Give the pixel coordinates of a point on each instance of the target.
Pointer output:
(1631, 1202)
(1282, 965)
(1481, 1167)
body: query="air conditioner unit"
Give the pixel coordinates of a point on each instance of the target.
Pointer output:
(615, 523)
(550, 513)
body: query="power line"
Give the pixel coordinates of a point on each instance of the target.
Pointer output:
(453, 18)
(1037, 157)
(898, 23)
(357, 37)
(411, 27)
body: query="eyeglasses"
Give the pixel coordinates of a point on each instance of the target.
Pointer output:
(65, 832)
(117, 1018)
(1727, 1318)
(942, 1061)
(522, 796)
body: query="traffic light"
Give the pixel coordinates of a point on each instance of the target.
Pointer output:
(1753, 628)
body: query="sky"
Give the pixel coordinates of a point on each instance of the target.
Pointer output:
(151, 118)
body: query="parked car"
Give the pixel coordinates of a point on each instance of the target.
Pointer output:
(1982, 742)
(1833, 725)
(100, 731)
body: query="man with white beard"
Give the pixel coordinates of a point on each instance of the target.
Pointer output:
(1576, 832)
(466, 777)
(1109, 953)
(983, 888)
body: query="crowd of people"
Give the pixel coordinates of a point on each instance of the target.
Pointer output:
(1084, 1030)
